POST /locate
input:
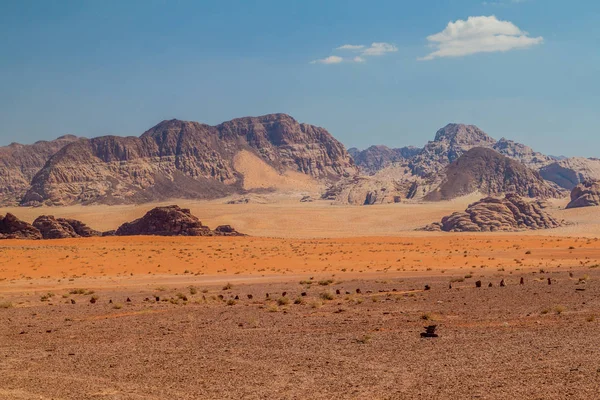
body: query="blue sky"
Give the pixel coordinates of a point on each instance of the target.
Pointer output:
(92, 68)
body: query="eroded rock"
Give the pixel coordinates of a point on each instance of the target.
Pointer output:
(490, 214)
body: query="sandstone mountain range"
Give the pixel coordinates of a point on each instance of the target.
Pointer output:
(181, 159)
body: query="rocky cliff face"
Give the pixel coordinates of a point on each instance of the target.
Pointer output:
(488, 172)
(19, 164)
(585, 194)
(450, 143)
(492, 214)
(376, 158)
(185, 160)
(570, 172)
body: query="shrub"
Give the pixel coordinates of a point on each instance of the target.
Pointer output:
(327, 296)
(283, 301)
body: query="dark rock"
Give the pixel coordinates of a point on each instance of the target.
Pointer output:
(62, 228)
(13, 228)
(502, 283)
(226, 230)
(478, 284)
(427, 287)
(303, 294)
(172, 221)
(522, 281)
(429, 332)
(250, 297)
(109, 233)
(128, 300)
(358, 291)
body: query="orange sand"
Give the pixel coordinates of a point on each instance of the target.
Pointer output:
(248, 256)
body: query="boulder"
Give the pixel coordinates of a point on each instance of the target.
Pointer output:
(490, 214)
(585, 194)
(226, 230)
(62, 228)
(12, 227)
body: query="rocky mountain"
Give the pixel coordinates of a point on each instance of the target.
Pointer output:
(486, 171)
(184, 160)
(585, 194)
(19, 164)
(522, 153)
(490, 214)
(376, 158)
(570, 172)
(432, 175)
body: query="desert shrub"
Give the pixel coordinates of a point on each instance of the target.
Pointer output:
(283, 301)
(327, 296)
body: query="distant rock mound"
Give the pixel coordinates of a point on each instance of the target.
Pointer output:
(490, 214)
(62, 228)
(586, 194)
(12, 227)
(486, 171)
(172, 221)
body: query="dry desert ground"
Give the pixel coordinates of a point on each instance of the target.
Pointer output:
(319, 302)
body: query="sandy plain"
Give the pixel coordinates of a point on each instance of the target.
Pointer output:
(536, 340)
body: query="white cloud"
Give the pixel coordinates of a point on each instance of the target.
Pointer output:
(479, 35)
(379, 49)
(351, 47)
(375, 49)
(328, 60)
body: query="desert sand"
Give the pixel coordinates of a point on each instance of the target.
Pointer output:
(207, 317)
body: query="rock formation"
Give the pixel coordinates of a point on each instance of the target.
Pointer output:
(19, 164)
(490, 214)
(61, 228)
(585, 194)
(184, 159)
(489, 172)
(13, 228)
(376, 158)
(570, 172)
(172, 221)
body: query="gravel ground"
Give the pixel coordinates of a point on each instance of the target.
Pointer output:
(534, 341)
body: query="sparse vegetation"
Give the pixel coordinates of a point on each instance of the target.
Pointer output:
(6, 304)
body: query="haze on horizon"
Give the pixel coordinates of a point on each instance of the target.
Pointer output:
(384, 72)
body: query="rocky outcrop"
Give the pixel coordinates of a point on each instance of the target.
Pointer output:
(521, 153)
(488, 172)
(184, 159)
(13, 228)
(586, 194)
(62, 228)
(570, 172)
(376, 158)
(172, 221)
(450, 142)
(490, 214)
(19, 164)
